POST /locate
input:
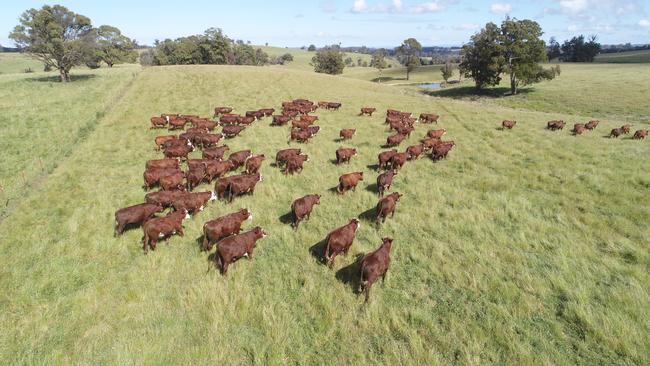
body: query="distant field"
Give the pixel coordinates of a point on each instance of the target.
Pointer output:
(624, 57)
(397, 74)
(523, 247)
(12, 63)
(302, 58)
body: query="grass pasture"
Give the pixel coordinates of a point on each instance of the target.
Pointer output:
(631, 57)
(523, 247)
(15, 63)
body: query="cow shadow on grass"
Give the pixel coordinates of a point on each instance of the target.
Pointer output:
(318, 251)
(287, 218)
(470, 92)
(350, 274)
(373, 167)
(369, 215)
(373, 188)
(57, 78)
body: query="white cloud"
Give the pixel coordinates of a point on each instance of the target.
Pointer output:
(397, 4)
(430, 7)
(359, 6)
(573, 6)
(467, 27)
(497, 8)
(644, 23)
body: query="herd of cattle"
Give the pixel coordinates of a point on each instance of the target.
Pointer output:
(581, 128)
(176, 186)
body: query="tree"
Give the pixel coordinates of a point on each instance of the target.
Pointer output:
(482, 58)
(311, 48)
(577, 50)
(378, 61)
(408, 53)
(113, 47)
(56, 36)
(447, 71)
(523, 51)
(348, 61)
(553, 51)
(328, 60)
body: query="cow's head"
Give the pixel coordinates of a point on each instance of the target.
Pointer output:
(356, 222)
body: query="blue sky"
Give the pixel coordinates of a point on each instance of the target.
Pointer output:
(383, 23)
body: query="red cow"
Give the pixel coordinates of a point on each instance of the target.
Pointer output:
(349, 181)
(302, 208)
(340, 240)
(136, 214)
(374, 265)
(224, 226)
(386, 206)
(237, 246)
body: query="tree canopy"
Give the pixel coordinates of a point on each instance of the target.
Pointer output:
(113, 47)
(577, 50)
(408, 54)
(329, 60)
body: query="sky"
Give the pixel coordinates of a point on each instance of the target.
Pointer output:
(373, 23)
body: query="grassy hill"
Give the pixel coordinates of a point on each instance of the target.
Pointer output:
(11, 63)
(624, 57)
(523, 247)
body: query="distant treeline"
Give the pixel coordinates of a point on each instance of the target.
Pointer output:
(434, 55)
(616, 48)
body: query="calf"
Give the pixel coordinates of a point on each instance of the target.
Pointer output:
(214, 153)
(374, 265)
(158, 122)
(626, 128)
(640, 134)
(579, 129)
(193, 202)
(162, 163)
(254, 163)
(237, 246)
(385, 158)
(302, 208)
(398, 160)
(385, 180)
(414, 151)
(282, 156)
(592, 124)
(436, 134)
(395, 140)
(508, 124)
(238, 158)
(163, 198)
(345, 154)
(224, 226)
(231, 131)
(136, 214)
(386, 206)
(162, 227)
(280, 120)
(339, 241)
(429, 118)
(294, 163)
(347, 133)
(349, 181)
(222, 110)
(172, 182)
(367, 111)
(616, 132)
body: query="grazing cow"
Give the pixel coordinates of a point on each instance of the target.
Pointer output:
(508, 124)
(162, 227)
(267, 112)
(395, 140)
(429, 118)
(303, 125)
(308, 119)
(177, 123)
(579, 129)
(347, 133)
(436, 134)
(385, 180)
(160, 140)
(386, 206)
(214, 153)
(195, 176)
(302, 208)
(162, 163)
(282, 156)
(294, 163)
(136, 214)
(238, 158)
(345, 154)
(385, 158)
(414, 151)
(205, 123)
(208, 139)
(313, 130)
(398, 160)
(640, 134)
(163, 198)
(300, 135)
(405, 130)
(237, 246)
(290, 114)
(333, 105)
(216, 168)
(349, 181)
(229, 119)
(339, 241)
(440, 151)
(616, 132)
(152, 176)
(255, 114)
(392, 112)
(224, 226)
(222, 110)
(322, 105)
(374, 265)
(592, 124)
(178, 151)
(223, 184)
(280, 120)
(193, 202)
(175, 143)
(367, 111)
(246, 120)
(244, 185)
(555, 125)
(254, 163)
(158, 122)
(231, 131)
(626, 128)
(172, 182)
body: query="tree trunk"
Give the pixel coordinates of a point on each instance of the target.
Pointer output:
(65, 77)
(513, 84)
(407, 73)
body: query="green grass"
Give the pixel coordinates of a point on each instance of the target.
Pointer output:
(396, 75)
(624, 57)
(42, 121)
(15, 63)
(523, 247)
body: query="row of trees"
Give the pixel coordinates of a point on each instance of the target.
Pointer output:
(62, 39)
(575, 49)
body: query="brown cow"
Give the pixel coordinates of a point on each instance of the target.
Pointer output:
(177, 123)
(386, 206)
(395, 140)
(347, 133)
(237, 246)
(616, 132)
(367, 110)
(436, 134)
(555, 125)
(398, 160)
(302, 208)
(414, 151)
(162, 163)
(231, 131)
(345, 154)
(152, 177)
(254, 163)
(405, 130)
(162, 227)
(160, 140)
(229, 119)
(158, 122)
(385, 158)
(440, 151)
(193, 202)
(172, 182)
(308, 119)
(209, 139)
(178, 151)
(640, 134)
(509, 124)
(626, 128)
(303, 125)
(592, 124)
(385, 180)
(267, 111)
(340, 240)
(195, 176)
(282, 156)
(294, 163)
(222, 110)
(300, 135)
(205, 123)
(429, 118)
(349, 181)
(216, 168)
(224, 226)
(244, 185)
(136, 214)
(579, 129)
(280, 120)
(255, 114)
(214, 153)
(163, 198)
(238, 158)
(246, 120)
(374, 265)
